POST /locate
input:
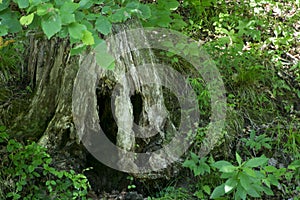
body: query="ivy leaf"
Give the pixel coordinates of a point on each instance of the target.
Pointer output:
(87, 38)
(103, 25)
(103, 58)
(51, 25)
(26, 20)
(76, 30)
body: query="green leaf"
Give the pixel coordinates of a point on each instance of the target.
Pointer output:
(3, 30)
(103, 58)
(240, 192)
(67, 18)
(4, 4)
(245, 181)
(218, 192)
(23, 3)
(249, 171)
(85, 4)
(26, 20)
(76, 30)
(69, 7)
(206, 189)
(189, 163)
(31, 168)
(120, 15)
(10, 20)
(44, 9)
(224, 166)
(87, 38)
(230, 184)
(238, 158)
(103, 25)
(51, 25)
(78, 49)
(255, 162)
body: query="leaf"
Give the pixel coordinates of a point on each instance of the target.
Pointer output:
(238, 158)
(206, 189)
(245, 181)
(67, 18)
(44, 9)
(119, 16)
(69, 7)
(189, 164)
(255, 162)
(88, 38)
(26, 20)
(103, 58)
(23, 3)
(224, 166)
(218, 192)
(103, 25)
(51, 25)
(240, 192)
(78, 49)
(3, 30)
(10, 20)
(230, 184)
(76, 30)
(4, 4)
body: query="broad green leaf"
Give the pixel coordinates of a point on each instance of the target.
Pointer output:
(249, 171)
(103, 58)
(44, 9)
(10, 20)
(26, 20)
(85, 4)
(245, 181)
(4, 4)
(241, 193)
(189, 164)
(268, 191)
(145, 12)
(69, 7)
(168, 4)
(238, 158)
(3, 30)
(87, 38)
(255, 162)
(51, 25)
(218, 192)
(23, 3)
(67, 18)
(224, 166)
(103, 25)
(119, 16)
(230, 184)
(76, 30)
